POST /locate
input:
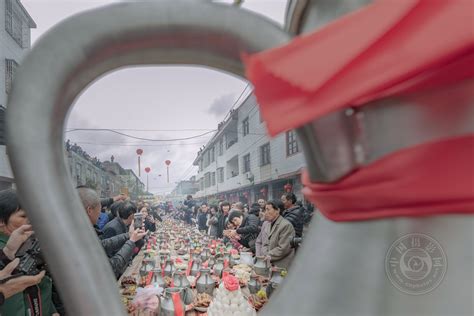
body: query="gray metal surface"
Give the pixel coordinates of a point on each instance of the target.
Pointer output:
(63, 63)
(340, 270)
(343, 141)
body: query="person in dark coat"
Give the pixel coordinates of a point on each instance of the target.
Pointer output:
(222, 218)
(293, 213)
(114, 210)
(255, 210)
(149, 220)
(202, 218)
(119, 224)
(246, 228)
(189, 204)
(120, 259)
(107, 202)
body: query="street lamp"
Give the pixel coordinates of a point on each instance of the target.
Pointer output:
(147, 170)
(168, 162)
(139, 153)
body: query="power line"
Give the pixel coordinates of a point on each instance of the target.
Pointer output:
(141, 138)
(134, 145)
(235, 102)
(142, 130)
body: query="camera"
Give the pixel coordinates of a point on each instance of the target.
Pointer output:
(138, 220)
(31, 259)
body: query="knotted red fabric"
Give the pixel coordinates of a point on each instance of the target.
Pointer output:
(442, 184)
(389, 49)
(371, 53)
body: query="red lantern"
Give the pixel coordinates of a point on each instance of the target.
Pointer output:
(167, 162)
(139, 152)
(147, 169)
(288, 187)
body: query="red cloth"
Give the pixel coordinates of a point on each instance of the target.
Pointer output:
(368, 54)
(421, 51)
(190, 264)
(149, 278)
(178, 306)
(428, 179)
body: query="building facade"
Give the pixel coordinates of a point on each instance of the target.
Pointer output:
(186, 187)
(241, 163)
(108, 178)
(15, 27)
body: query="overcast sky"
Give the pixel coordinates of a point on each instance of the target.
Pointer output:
(188, 100)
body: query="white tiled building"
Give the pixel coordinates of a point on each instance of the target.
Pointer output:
(15, 26)
(242, 163)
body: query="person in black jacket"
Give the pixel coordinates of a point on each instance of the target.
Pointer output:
(149, 220)
(222, 218)
(107, 202)
(189, 204)
(123, 247)
(246, 228)
(119, 225)
(114, 210)
(202, 217)
(255, 210)
(293, 213)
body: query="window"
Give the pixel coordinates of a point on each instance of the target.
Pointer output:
(78, 172)
(207, 179)
(213, 179)
(200, 165)
(14, 23)
(265, 154)
(9, 17)
(213, 154)
(2, 126)
(220, 175)
(10, 69)
(245, 126)
(207, 158)
(221, 147)
(291, 143)
(247, 163)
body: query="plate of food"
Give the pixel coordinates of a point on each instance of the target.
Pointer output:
(258, 300)
(202, 302)
(128, 280)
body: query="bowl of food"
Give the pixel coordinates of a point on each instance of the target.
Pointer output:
(202, 302)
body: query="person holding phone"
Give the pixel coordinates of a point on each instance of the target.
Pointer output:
(119, 248)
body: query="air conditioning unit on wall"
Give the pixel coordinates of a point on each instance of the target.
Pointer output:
(249, 176)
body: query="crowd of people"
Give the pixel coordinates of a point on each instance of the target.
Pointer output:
(23, 294)
(270, 229)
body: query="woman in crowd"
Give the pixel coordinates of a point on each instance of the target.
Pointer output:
(280, 252)
(212, 221)
(36, 300)
(246, 229)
